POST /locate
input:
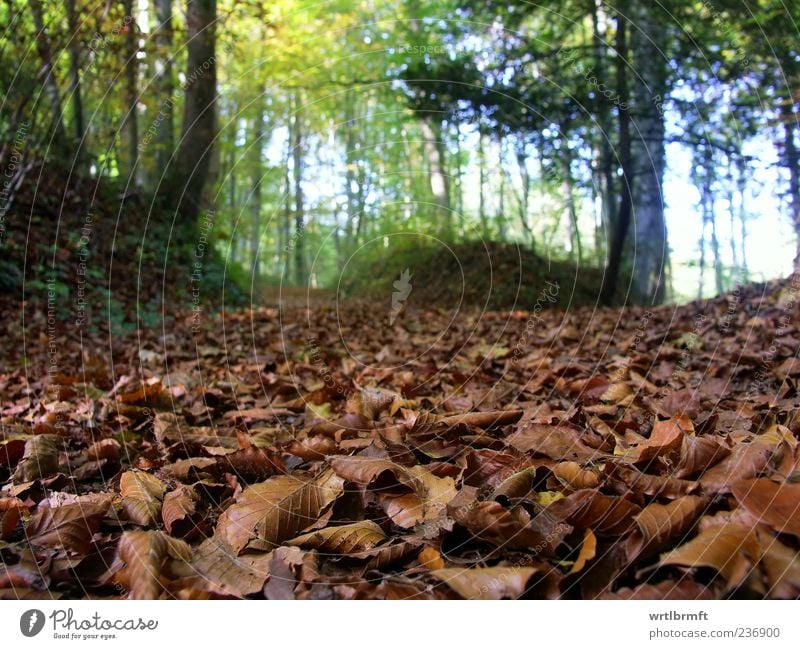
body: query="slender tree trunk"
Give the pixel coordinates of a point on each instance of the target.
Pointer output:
(702, 246)
(459, 174)
(732, 215)
(792, 161)
(286, 221)
(75, 79)
(130, 124)
(232, 199)
(741, 185)
(350, 167)
(718, 279)
(608, 198)
(501, 206)
(623, 219)
(255, 196)
(576, 248)
(199, 124)
(525, 179)
(47, 73)
(482, 181)
(648, 153)
(300, 274)
(164, 139)
(440, 185)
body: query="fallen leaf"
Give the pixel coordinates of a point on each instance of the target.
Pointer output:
(142, 494)
(276, 510)
(777, 505)
(342, 539)
(731, 550)
(39, 460)
(487, 583)
(68, 526)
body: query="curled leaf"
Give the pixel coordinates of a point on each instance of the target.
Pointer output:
(141, 496)
(342, 539)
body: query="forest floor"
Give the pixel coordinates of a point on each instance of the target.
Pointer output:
(397, 444)
(365, 450)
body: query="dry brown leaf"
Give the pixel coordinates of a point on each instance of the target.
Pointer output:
(40, 458)
(587, 553)
(276, 510)
(142, 494)
(68, 526)
(491, 522)
(745, 461)
(144, 553)
(731, 550)
(342, 539)
(659, 524)
(11, 511)
(558, 443)
(225, 573)
(571, 475)
(487, 583)
(610, 515)
(178, 511)
(516, 485)
(430, 559)
(777, 505)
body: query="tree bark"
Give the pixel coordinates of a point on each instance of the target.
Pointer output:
(164, 85)
(351, 163)
(130, 124)
(608, 196)
(648, 154)
(255, 196)
(439, 182)
(194, 151)
(525, 179)
(300, 274)
(75, 79)
(482, 181)
(47, 73)
(611, 276)
(792, 161)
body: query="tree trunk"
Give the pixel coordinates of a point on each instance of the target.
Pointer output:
(622, 222)
(255, 196)
(732, 215)
(130, 124)
(47, 73)
(482, 181)
(440, 185)
(286, 221)
(792, 161)
(647, 154)
(164, 83)
(702, 245)
(525, 179)
(459, 175)
(351, 164)
(608, 197)
(233, 247)
(741, 186)
(501, 206)
(194, 152)
(300, 275)
(75, 79)
(576, 248)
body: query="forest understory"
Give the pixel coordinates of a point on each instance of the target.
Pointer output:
(357, 449)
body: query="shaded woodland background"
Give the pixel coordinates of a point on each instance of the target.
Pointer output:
(292, 142)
